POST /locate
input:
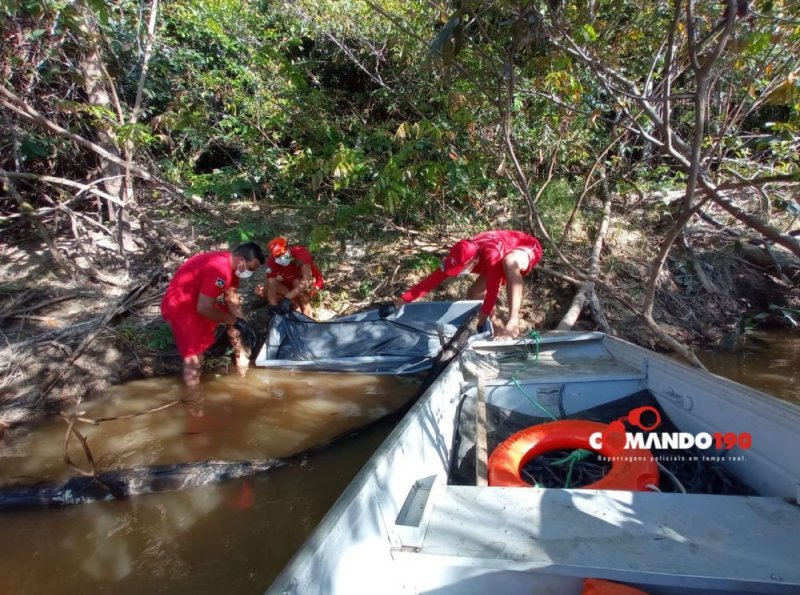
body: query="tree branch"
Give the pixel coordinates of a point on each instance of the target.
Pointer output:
(21, 108)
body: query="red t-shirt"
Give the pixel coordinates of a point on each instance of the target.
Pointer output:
(287, 274)
(209, 274)
(493, 246)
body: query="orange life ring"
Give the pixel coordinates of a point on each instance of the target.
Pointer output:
(631, 468)
(596, 586)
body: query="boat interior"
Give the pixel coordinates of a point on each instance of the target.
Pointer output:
(424, 515)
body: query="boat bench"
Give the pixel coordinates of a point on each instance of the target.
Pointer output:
(531, 394)
(574, 372)
(691, 541)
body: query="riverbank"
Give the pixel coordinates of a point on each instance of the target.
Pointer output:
(67, 340)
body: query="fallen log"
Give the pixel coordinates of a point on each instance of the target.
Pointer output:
(123, 483)
(586, 291)
(775, 261)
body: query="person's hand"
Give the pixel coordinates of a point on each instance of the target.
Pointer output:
(386, 310)
(483, 327)
(285, 305)
(247, 333)
(260, 291)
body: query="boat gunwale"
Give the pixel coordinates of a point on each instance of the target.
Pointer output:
(638, 357)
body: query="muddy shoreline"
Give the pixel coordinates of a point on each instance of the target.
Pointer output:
(66, 341)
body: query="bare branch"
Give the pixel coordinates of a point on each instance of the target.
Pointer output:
(28, 210)
(790, 179)
(148, 49)
(88, 188)
(586, 290)
(769, 232)
(21, 108)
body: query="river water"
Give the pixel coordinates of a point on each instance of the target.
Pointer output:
(768, 361)
(225, 538)
(233, 537)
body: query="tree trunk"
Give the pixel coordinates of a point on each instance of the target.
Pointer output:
(95, 83)
(587, 289)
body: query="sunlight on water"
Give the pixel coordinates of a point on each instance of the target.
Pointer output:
(267, 414)
(232, 537)
(769, 362)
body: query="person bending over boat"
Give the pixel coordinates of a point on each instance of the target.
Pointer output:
(498, 257)
(191, 308)
(293, 277)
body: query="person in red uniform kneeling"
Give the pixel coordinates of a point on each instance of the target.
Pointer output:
(292, 277)
(191, 309)
(498, 257)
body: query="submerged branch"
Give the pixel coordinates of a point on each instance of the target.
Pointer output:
(124, 483)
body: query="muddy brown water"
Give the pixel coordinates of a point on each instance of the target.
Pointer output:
(225, 538)
(768, 361)
(233, 537)
(267, 414)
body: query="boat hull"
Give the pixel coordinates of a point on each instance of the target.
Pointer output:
(401, 527)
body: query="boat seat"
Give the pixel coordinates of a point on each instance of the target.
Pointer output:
(579, 383)
(577, 370)
(578, 373)
(696, 541)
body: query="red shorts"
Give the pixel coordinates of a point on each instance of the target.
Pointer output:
(194, 333)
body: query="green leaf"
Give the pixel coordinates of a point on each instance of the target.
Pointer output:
(316, 179)
(32, 148)
(589, 34)
(442, 44)
(100, 7)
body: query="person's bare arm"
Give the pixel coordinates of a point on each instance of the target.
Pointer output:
(206, 306)
(272, 291)
(234, 302)
(303, 284)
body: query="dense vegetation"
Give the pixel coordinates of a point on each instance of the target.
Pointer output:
(124, 124)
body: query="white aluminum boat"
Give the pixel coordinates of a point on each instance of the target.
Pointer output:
(418, 519)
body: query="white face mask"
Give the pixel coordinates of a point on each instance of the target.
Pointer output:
(245, 274)
(468, 268)
(283, 259)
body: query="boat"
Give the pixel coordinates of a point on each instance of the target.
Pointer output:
(425, 514)
(403, 344)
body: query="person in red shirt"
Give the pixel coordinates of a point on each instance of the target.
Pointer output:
(498, 257)
(191, 309)
(292, 277)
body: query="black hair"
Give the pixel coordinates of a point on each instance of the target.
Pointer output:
(249, 251)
